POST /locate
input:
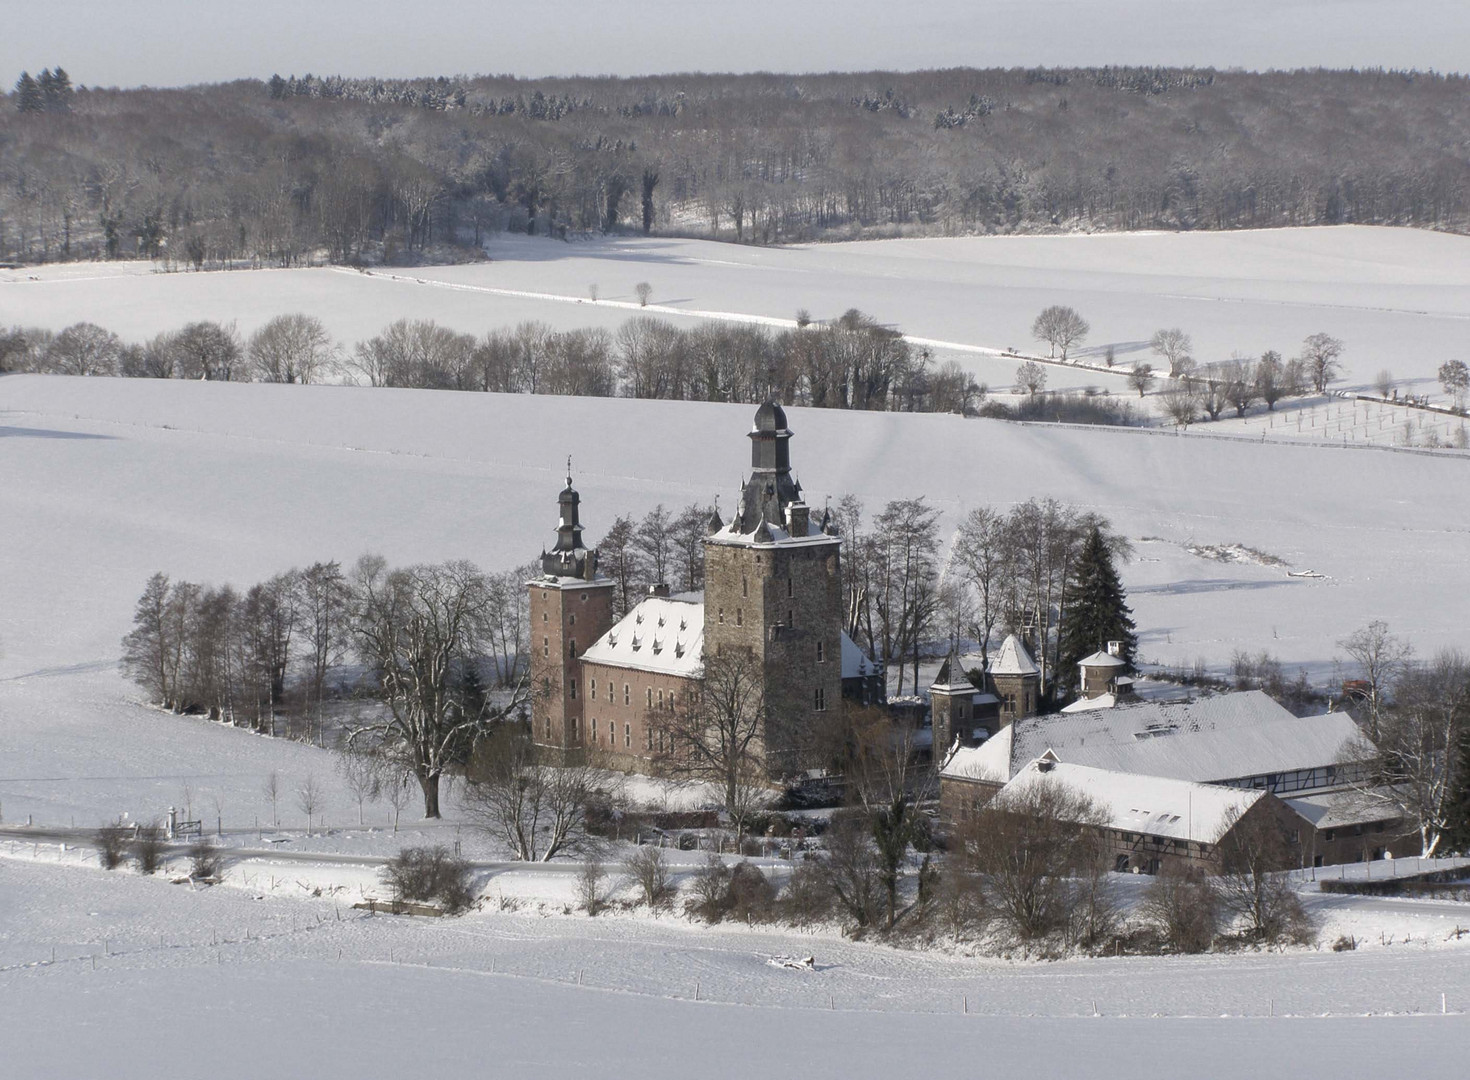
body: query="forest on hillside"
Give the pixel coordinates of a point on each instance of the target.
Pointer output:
(294, 169)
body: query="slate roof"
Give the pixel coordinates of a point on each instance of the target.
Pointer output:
(661, 634)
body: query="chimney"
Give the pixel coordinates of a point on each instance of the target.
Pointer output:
(798, 519)
(660, 588)
(1115, 648)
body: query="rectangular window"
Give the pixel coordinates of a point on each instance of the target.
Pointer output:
(744, 586)
(572, 686)
(572, 648)
(821, 699)
(650, 697)
(594, 688)
(739, 617)
(627, 695)
(627, 735)
(671, 701)
(821, 652)
(545, 646)
(575, 735)
(609, 690)
(660, 699)
(789, 587)
(592, 728)
(648, 738)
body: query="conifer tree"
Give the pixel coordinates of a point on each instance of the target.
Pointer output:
(1457, 832)
(1098, 610)
(28, 94)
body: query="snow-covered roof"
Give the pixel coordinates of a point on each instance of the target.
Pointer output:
(1157, 806)
(1102, 659)
(855, 663)
(1013, 659)
(766, 534)
(1335, 809)
(1222, 737)
(661, 634)
(1102, 701)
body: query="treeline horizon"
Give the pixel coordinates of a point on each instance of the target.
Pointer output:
(351, 170)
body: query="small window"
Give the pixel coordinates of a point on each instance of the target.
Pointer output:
(671, 701)
(650, 697)
(572, 619)
(1329, 834)
(545, 617)
(594, 688)
(574, 729)
(790, 617)
(821, 699)
(572, 648)
(627, 695)
(584, 598)
(660, 699)
(592, 728)
(722, 616)
(739, 617)
(572, 686)
(546, 729)
(609, 690)
(821, 652)
(627, 735)
(744, 585)
(648, 738)
(545, 646)
(790, 586)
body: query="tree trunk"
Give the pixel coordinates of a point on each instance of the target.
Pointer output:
(429, 782)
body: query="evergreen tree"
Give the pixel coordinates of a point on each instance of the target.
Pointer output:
(56, 93)
(28, 94)
(1098, 610)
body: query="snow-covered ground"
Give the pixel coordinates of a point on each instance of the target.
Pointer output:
(112, 974)
(1397, 297)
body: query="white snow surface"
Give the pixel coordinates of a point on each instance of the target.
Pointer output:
(1213, 738)
(1399, 298)
(1158, 806)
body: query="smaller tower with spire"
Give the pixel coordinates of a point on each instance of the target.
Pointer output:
(571, 607)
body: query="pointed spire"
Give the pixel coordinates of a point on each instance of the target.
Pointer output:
(569, 470)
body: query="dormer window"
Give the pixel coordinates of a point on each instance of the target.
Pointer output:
(679, 650)
(637, 643)
(683, 625)
(638, 618)
(658, 646)
(660, 620)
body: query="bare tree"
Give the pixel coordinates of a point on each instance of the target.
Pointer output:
(362, 776)
(1031, 378)
(1415, 768)
(906, 548)
(1180, 404)
(1141, 378)
(851, 867)
(1029, 845)
(718, 736)
(309, 798)
(292, 349)
(1060, 327)
(1241, 384)
(415, 628)
(1320, 353)
(1253, 853)
(538, 810)
(1454, 376)
(983, 556)
(84, 349)
(1273, 381)
(655, 542)
(1379, 657)
(1183, 906)
(644, 292)
(271, 789)
(1383, 382)
(1173, 346)
(322, 606)
(649, 871)
(590, 885)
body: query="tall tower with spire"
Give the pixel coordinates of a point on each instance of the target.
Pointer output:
(773, 591)
(571, 607)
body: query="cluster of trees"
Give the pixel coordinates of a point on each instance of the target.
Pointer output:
(1043, 570)
(433, 654)
(49, 92)
(1416, 716)
(1207, 390)
(301, 168)
(852, 363)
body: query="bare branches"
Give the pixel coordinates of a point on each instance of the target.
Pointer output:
(537, 810)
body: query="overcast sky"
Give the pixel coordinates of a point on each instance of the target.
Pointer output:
(173, 42)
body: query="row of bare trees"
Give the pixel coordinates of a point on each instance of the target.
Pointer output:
(301, 168)
(851, 363)
(427, 654)
(1239, 383)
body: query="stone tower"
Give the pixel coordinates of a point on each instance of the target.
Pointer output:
(571, 607)
(773, 592)
(1016, 679)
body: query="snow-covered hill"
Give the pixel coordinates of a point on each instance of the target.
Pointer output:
(1397, 297)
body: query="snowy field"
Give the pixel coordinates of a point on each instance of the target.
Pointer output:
(1399, 298)
(248, 985)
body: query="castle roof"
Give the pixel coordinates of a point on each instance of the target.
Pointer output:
(1156, 806)
(1103, 660)
(661, 634)
(1217, 738)
(855, 662)
(1013, 659)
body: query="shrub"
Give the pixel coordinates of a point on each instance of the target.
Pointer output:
(750, 893)
(148, 849)
(589, 886)
(112, 844)
(1182, 906)
(1345, 943)
(649, 871)
(205, 860)
(807, 897)
(711, 888)
(430, 876)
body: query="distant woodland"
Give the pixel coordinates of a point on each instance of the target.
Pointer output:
(299, 169)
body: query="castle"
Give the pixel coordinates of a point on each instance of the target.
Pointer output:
(773, 595)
